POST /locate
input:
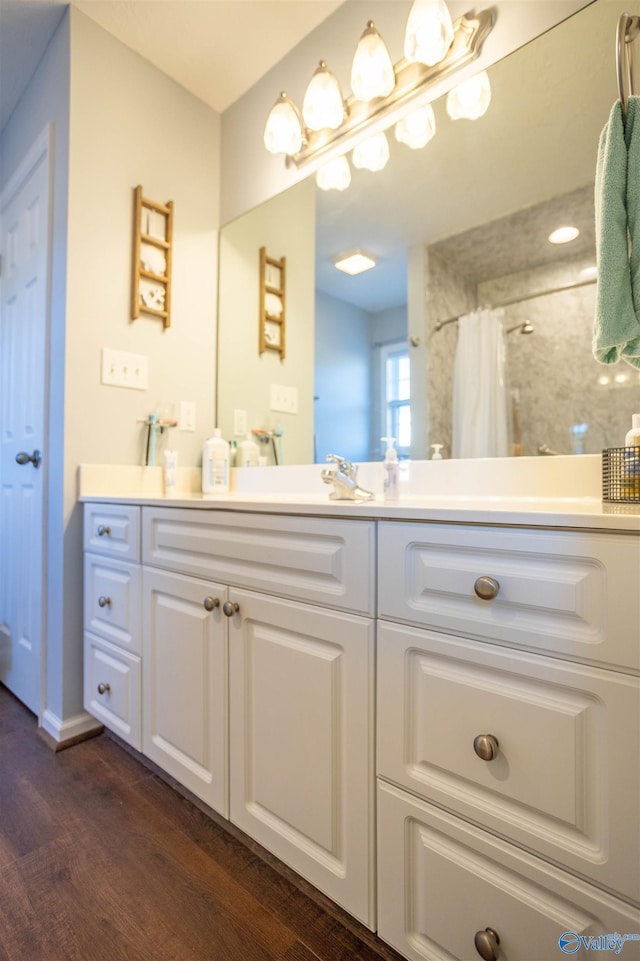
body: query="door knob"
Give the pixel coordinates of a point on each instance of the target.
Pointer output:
(230, 608)
(104, 531)
(487, 944)
(23, 458)
(211, 602)
(486, 588)
(104, 689)
(104, 601)
(486, 746)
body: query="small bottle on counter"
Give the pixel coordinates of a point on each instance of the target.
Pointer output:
(215, 464)
(633, 435)
(391, 471)
(247, 453)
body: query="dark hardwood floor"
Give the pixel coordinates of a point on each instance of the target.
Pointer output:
(102, 860)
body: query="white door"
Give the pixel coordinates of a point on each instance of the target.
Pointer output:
(24, 304)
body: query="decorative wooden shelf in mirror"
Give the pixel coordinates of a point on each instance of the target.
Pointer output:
(272, 302)
(152, 233)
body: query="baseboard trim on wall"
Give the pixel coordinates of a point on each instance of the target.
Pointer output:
(58, 734)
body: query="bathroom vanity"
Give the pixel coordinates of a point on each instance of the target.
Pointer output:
(430, 711)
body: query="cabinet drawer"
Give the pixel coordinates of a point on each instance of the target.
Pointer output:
(113, 530)
(112, 601)
(565, 778)
(441, 881)
(570, 594)
(112, 688)
(322, 561)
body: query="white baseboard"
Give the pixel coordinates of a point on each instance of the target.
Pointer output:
(73, 729)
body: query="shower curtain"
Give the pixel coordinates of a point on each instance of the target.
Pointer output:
(480, 394)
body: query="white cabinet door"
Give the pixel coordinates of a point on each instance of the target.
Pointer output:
(184, 682)
(301, 716)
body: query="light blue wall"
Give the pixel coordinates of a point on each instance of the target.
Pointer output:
(342, 380)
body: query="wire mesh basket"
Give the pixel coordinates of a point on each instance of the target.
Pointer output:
(621, 475)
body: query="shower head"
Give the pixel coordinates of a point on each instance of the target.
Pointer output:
(524, 328)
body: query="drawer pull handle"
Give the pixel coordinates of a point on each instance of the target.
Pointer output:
(486, 588)
(487, 944)
(104, 689)
(486, 747)
(211, 602)
(104, 531)
(104, 601)
(229, 608)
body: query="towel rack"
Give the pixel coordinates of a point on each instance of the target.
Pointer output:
(628, 30)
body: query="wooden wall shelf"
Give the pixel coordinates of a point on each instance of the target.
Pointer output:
(152, 237)
(272, 320)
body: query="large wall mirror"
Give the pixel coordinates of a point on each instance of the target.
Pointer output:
(461, 224)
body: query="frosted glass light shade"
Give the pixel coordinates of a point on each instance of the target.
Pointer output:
(470, 99)
(371, 154)
(334, 175)
(372, 73)
(323, 104)
(429, 32)
(283, 129)
(417, 128)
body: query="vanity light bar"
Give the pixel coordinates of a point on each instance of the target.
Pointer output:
(412, 80)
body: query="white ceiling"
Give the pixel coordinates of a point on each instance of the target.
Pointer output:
(224, 47)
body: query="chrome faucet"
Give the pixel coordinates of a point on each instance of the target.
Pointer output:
(344, 477)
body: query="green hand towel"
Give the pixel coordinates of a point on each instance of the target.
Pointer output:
(616, 332)
(632, 140)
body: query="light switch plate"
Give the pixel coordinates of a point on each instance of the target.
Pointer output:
(121, 369)
(284, 399)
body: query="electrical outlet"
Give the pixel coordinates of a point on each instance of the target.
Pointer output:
(187, 415)
(284, 399)
(240, 423)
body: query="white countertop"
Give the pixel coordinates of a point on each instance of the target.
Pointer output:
(522, 494)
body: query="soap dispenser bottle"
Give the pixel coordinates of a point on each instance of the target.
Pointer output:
(633, 436)
(215, 464)
(391, 471)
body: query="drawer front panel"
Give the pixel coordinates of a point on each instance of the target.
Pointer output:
(113, 530)
(458, 881)
(314, 559)
(112, 601)
(562, 739)
(112, 688)
(569, 594)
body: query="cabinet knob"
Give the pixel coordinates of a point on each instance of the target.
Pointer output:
(104, 531)
(487, 944)
(486, 588)
(486, 746)
(104, 601)
(104, 689)
(230, 608)
(211, 602)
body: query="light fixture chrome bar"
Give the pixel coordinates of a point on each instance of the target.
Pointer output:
(518, 300)
(411, 80)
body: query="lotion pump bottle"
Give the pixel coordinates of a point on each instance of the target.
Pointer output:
(392, 471)
(215, 464)
(633, 436)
